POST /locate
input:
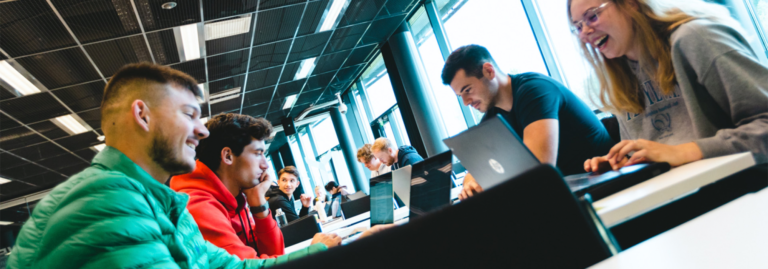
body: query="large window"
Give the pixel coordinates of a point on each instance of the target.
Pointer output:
(324, 135)
(377, 85)
(761, 15)
(305, 179)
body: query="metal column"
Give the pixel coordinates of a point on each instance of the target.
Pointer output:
(348, 148)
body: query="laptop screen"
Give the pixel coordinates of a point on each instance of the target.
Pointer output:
(382, 202)
(431, 184)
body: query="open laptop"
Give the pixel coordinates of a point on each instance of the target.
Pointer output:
(430, 184)
(501, 155)
(382, 202)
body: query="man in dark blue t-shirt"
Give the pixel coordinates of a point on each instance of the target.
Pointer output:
(553, 123)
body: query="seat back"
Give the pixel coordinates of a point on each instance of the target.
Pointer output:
(301, 229)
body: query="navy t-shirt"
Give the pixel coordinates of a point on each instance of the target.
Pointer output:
(536, 97)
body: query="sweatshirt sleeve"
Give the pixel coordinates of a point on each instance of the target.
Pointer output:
(269, 237)
(214, 224)
(731, 74)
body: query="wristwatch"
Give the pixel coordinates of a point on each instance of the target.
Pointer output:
(261, 208)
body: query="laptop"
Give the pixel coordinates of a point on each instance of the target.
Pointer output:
(430, 185)
(401, 184)
(382, 202)
(501, 155)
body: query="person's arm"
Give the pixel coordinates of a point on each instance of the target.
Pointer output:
(269, 237)
(284, 204)
(541, 137)
(219, 258)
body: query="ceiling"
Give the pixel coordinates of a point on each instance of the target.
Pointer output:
(69, 48)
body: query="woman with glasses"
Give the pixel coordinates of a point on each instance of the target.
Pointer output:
(682, 81)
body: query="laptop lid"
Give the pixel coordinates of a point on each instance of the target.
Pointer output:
(430, 184)
(382, 200)
(401, 184)
(492, 152)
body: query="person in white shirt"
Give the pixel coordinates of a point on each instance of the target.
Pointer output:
(365, 156)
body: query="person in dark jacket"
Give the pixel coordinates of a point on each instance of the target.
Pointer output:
(384, 150)
(282, 196)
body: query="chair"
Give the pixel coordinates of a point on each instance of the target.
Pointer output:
(301, 229)
(531, 221)
(356, 207)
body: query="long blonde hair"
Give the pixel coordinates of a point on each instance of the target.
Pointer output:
(653, 23)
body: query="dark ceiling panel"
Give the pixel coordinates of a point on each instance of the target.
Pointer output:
(33, 108)
(93, 20)
(5, 92)
(339, 86)
(297, 109)
(48, 129)
(225, 106)
(269, 55)
(268, 4)
(92, 117)
(30, 26)
(154, 17)
(82, 97)
(327, 97)
(349, 73)
(313, 17)
(382, 29)
(195, 68)
(277, 106)
(23, 171)
(277, 24)
(256, 110)
(109, 56)
(204, 110)
(308, 46)
(39, 151)
(8, 161)
(163, 44)
(12, 188)
(227, 65)
(330, 62)
(289, 73)
(276, 117)
(361, 11)
(263, 78)
(46, 177)
(346, 38)
(59, 162)
(259, 96)
(309, 96)
(215, 9)
(79, 141)
(86, 154)
(60, 68)
(320, 81)
(19, 137)
(290, 88)
(396, 7)
(360, 55)
(225, 84)
(7, 123)
(72, 170)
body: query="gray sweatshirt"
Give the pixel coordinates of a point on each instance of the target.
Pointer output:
(721, 98)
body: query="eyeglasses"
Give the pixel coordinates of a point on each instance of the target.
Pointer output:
(590, 17)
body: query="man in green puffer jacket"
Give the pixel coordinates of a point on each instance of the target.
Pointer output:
(117, 213)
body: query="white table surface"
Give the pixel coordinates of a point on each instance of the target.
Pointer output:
(734, 235)
(668, 187)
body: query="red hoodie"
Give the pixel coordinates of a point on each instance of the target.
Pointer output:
(220, 220)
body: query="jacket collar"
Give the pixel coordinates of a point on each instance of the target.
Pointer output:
(112, 159)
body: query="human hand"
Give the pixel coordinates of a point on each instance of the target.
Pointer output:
(470, 187)
(376, 229)
(306, 200)
(600, 164)
(256, 195)
(329, 240)
(650, 151)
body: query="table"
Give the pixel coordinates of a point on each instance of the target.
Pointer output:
(667, 187)
(731, 236)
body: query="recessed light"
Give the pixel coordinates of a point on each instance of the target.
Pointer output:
(289, 101)
(4, 180)
(2, 222)
(169, 5)
(306, 66)
(70, 124)
(99, 147)
(221, 29)
(11, 76)
(332, 15)
(190, 42)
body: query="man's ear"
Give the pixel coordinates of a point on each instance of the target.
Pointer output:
(226, 156)
(489, 71)
(140, 113)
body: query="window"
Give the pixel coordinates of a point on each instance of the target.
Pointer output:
(271, 170)
(761, 15)
(342, 172)
(366, 123)
(310, 157)
(377, 85)
(306, 184)
(398, 120)
(324, 135)
(390, 134)
(514, 49)
(432, 58)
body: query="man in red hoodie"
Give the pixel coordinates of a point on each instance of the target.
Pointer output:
(228, 177)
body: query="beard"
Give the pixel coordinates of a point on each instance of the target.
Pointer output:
(166, 157)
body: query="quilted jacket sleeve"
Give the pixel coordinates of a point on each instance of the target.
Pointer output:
(219, 258)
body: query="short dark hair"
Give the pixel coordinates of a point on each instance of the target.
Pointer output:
(230, 130)
(143, 73)
(331, 185)
(289, 170)
(470, 58)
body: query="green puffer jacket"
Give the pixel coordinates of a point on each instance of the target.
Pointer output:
(114, 215)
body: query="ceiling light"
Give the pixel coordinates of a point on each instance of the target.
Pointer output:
(204, 120)
(201, 86)
(190, 41)
(99, 147)
(332, 15)
(4, 180)
(289, 101)
(12, 76)
(224, 96)
(2, 222)
(70, 124)
(101, 138)
(221, 29)
(169, 5)
(307, 65)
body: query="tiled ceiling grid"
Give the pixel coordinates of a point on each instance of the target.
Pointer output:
(70, 48)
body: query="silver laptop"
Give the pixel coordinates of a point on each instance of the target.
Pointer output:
(401, 184)
(492, 152)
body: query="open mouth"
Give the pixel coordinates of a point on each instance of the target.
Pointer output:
(600, 43)
(191, 145)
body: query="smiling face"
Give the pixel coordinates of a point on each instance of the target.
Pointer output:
(385, 155)
(250, 165)
(609, 29)
(176, 130)
(288, 183)
(479, 93)
(372, 165)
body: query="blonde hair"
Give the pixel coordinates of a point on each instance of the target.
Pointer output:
(381, 144)
(365, 153)
(653, 24)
